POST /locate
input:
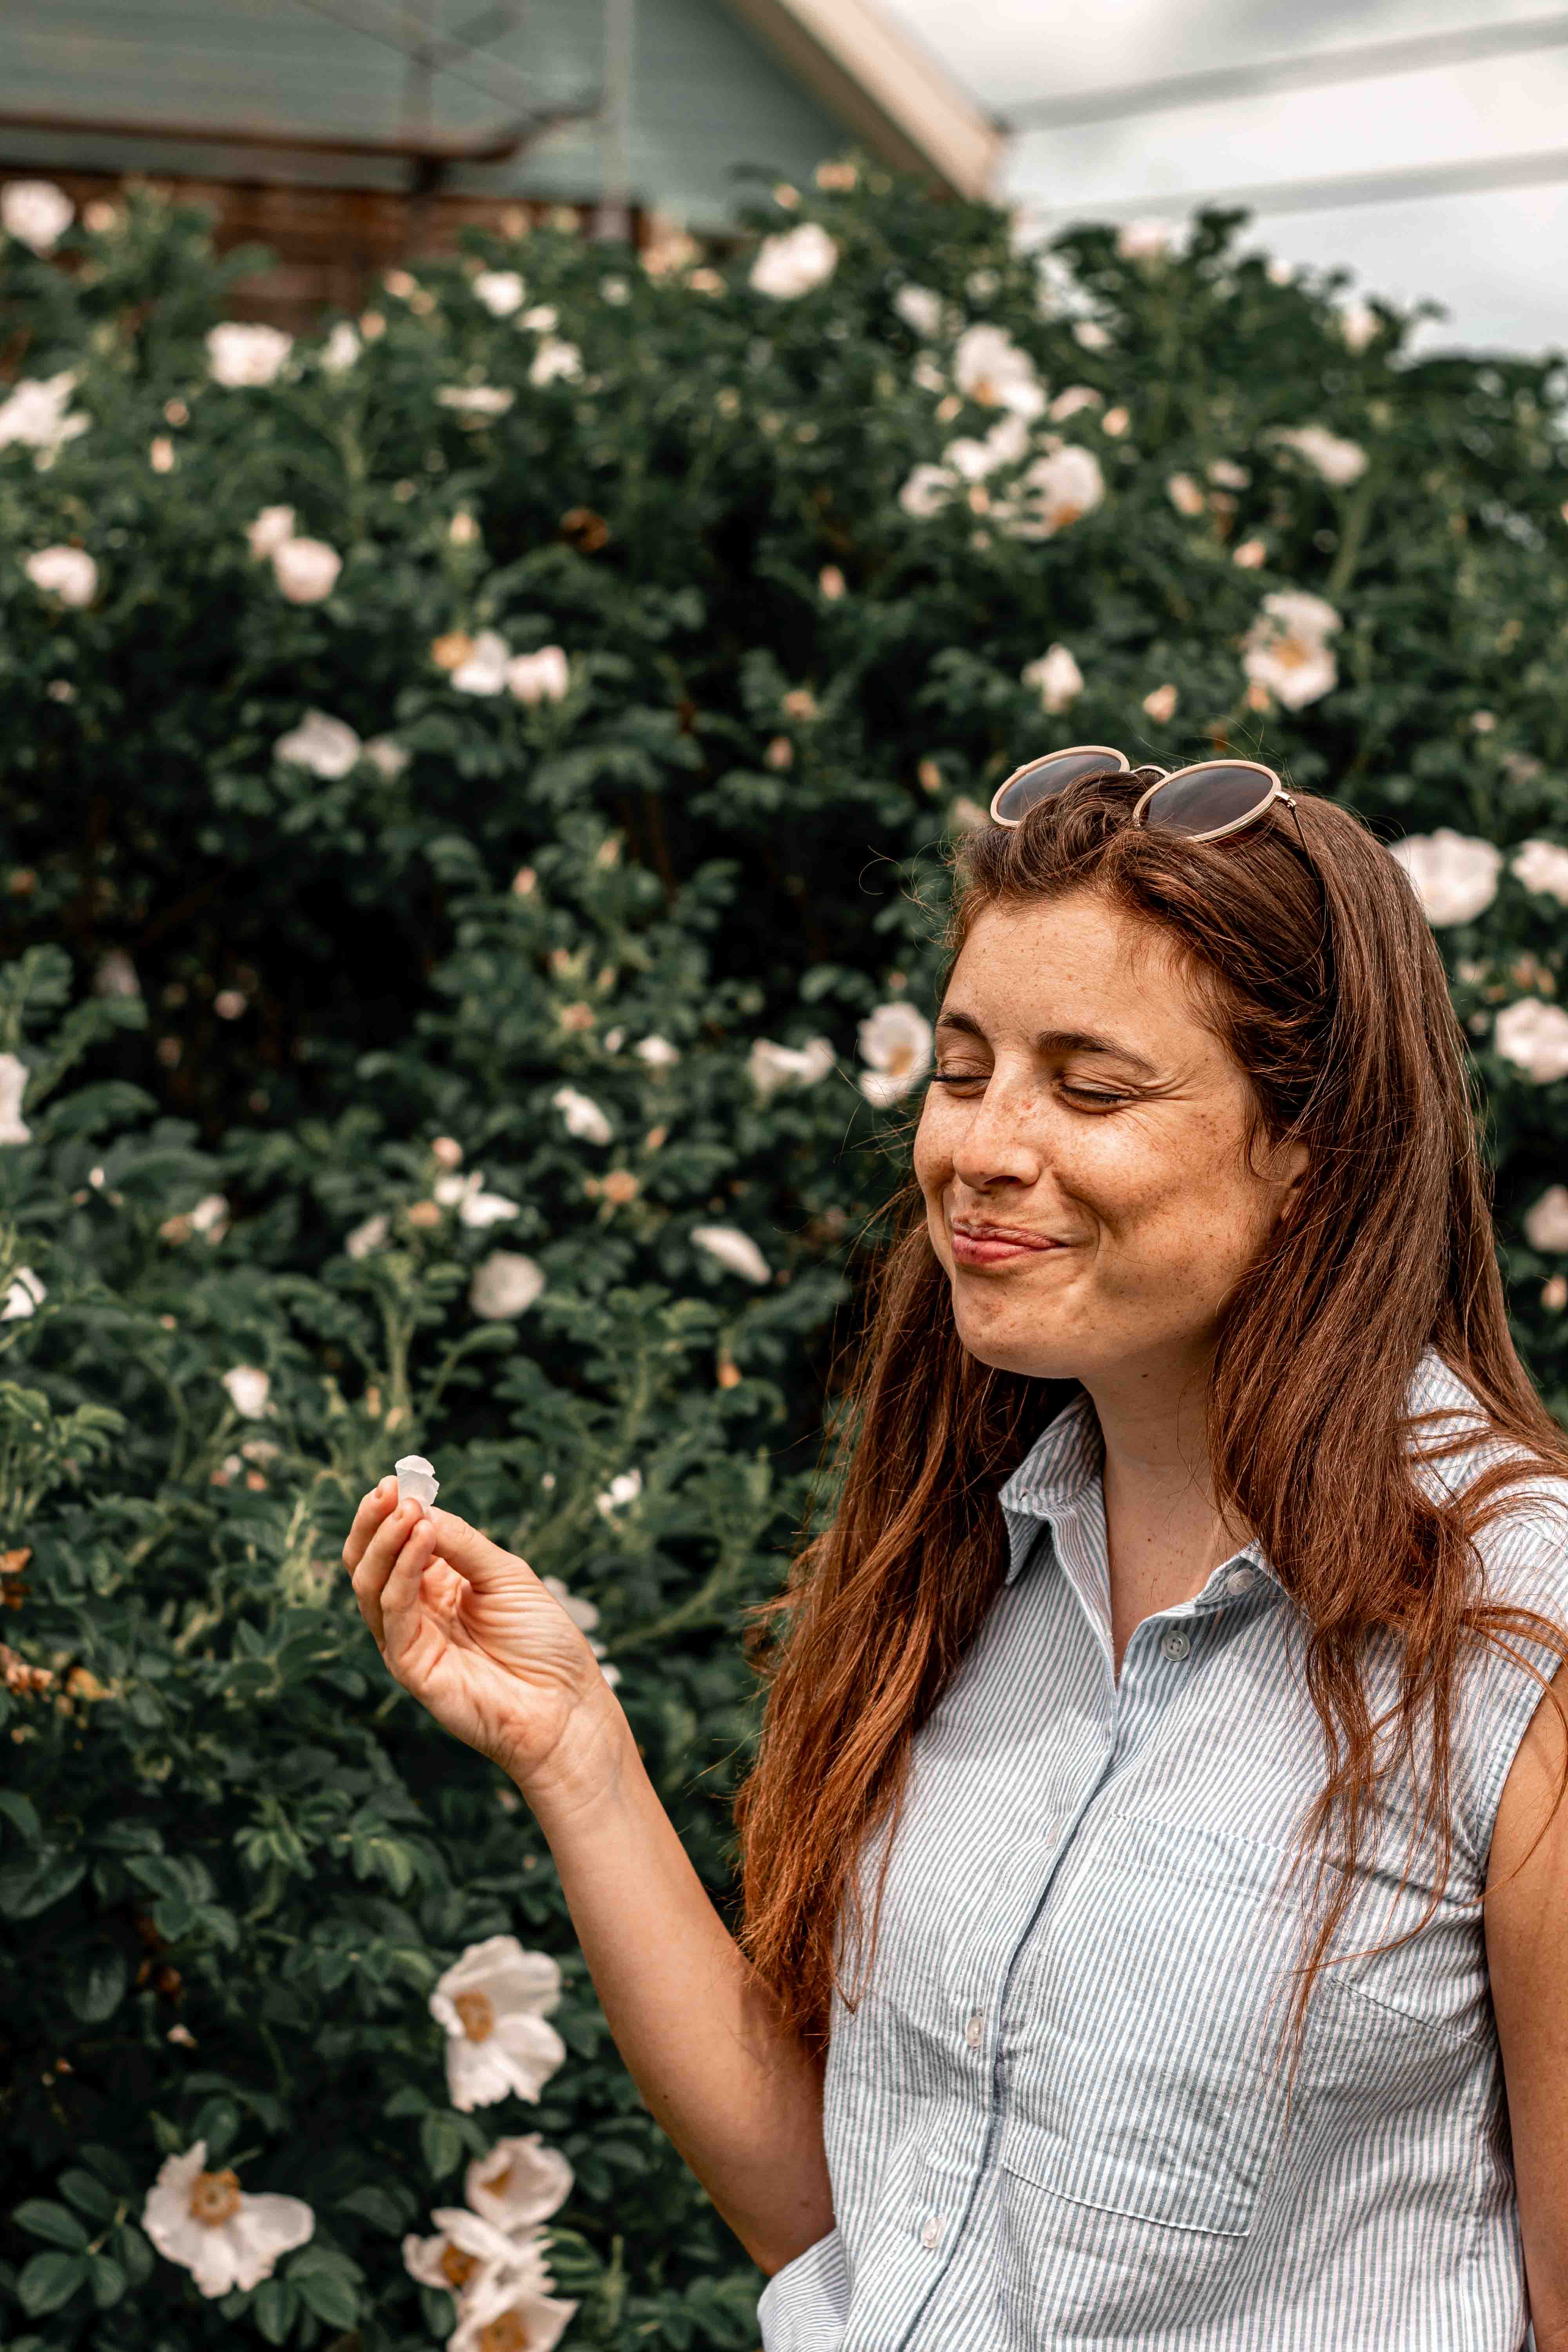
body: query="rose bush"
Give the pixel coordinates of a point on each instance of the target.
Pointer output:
(476, 780)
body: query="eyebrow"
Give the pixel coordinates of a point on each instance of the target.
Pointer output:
(1057, 1040)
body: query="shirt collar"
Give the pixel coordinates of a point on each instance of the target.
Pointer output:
(1065, 1463)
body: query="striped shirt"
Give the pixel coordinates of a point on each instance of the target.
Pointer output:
(1051, 2120)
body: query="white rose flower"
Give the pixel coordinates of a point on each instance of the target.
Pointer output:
(1360, 325)
(927, 491)
(238, 356)
(204, 2222)
(13, 1076)
(1069, 403)
(249, 1390)
(306, 570)
(1226, 475)
(895, 1042)
(657, 1051)
(542, 320)
(621, 1490)
(271, 527)
(471, 2251)
(1542, 866)
(1339, 462)
(36, 415)
(500, 291)
(581, 1114)
(734, 1250)
(1160, 705)
(543, 676)
(1006, 442)
(1090, 335)
(505, 1284)
(1145, 240)
(771, 1066)
(1534, 1036)
(370, 1235)
(25, 1293)
(115, 975)
(67, 572)
(484, 671)
(387, 754)
(555, 360)
(1285, 650)
(499, 2316)
(989, 367)
(1054, 491)
(795, 262)
(1058, 678)
(328, 747)
(493, 2005)
(36, 213)
(1185, 494)
(1454, 877)
(520, 2182)
(477, 400)
(1546, 1225)
(918, 307)
(476, 1207)
(341, 349)
(210, 1216)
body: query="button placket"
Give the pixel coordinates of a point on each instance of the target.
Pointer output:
(1175, 1643)
(931, 2230)
(975, 2028)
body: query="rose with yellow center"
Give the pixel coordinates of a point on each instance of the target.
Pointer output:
(493, 2005)
(215, 2199)
(204, 2222)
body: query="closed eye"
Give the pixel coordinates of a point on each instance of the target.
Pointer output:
(1079, 1094)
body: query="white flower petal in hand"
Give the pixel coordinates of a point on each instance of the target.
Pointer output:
(500, 291)
(493, 2005)
(328, 747)
(542, 677)
(306, 570)
(25, 1294)
(918, 307)
(989, 367)
(1533, 1036)
(1286, 649)
(794, 262)
(1056, 676)
(204, 2222)
(734, 1250)
(896, 1044)
(1340, 462)
(520, 2183)
(240, 355)
(36, 213)
(581, 1114)
(502, 2317)
(1454, 877)
(36, 415)
(1546, 1225)
(13, 1076)
(268, 533)
(1542, 866)
(67, 573)
(484, 671)
(505, 1284)
(249, 1390)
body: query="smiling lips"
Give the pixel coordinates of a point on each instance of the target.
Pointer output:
(990, 1244)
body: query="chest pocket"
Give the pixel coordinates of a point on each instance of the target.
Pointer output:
(1142, 2026)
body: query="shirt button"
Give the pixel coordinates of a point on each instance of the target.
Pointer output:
(1240, 1581)
(1174, 1642)
(931, 2230)
(974, 2029)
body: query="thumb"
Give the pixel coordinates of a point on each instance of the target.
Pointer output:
(480, 1562)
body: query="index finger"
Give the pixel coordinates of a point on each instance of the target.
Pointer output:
(373, 1509)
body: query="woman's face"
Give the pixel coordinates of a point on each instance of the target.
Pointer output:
(1081, 1150)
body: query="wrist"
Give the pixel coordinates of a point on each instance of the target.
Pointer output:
(586, 1771)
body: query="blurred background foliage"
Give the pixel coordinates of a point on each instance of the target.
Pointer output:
(648, 685)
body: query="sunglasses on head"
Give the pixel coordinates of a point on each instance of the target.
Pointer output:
(1203, 802)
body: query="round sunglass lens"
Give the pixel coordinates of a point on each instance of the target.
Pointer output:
(1208, 798)
(1047, 777)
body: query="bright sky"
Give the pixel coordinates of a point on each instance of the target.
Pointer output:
(1494, 259)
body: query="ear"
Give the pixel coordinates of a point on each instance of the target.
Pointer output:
(1293, 1173)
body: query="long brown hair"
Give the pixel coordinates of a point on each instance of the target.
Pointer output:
(1323, 981)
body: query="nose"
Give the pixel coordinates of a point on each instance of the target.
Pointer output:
(994, 1147)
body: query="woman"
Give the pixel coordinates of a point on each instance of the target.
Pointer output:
(1156, 1877)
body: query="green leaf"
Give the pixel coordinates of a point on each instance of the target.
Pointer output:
(275, 2308)
(41, 2218)
(95, 1986)
(134, 2253)
(378, 2206)
(50, 2280)
(441, 2139)
(23, 1813)
(329, 2295)
(109, 2282)
(27, 1888)
(90, 2196)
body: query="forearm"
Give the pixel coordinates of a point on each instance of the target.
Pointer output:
(739, 2097)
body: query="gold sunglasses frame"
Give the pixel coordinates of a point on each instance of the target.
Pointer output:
(1119, 764)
